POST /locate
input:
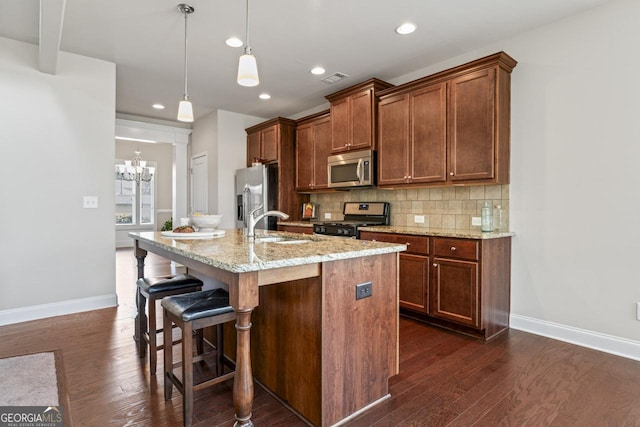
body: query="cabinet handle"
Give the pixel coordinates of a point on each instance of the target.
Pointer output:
(405, 177)
(409, 177)
(451, 173)
(453, 248)
(435, 265)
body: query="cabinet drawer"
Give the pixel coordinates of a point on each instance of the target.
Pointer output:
(415, 244)
(456, 248)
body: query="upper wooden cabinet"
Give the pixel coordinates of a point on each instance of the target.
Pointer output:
(412, 136)
(354, 116)
(313, 145)
(265, 140)
(273, 141)
(448, 128)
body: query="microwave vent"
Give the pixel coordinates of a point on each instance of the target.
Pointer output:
(335, 77)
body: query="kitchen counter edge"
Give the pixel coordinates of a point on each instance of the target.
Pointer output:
(439, 232)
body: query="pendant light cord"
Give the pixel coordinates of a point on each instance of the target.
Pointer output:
(186, 94)
(246, 26)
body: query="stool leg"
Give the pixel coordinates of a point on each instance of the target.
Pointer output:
(219, 349)
(153, 335)
(141, 324)
(199, 341)
(187, 373)
(168, 355)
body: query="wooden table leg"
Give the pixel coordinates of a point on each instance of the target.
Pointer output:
(140, 321)
(243, 381)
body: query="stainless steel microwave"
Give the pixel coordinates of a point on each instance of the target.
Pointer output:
(351, 169)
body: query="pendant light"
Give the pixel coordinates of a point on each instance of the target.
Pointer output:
(185, 109)
(247, 66)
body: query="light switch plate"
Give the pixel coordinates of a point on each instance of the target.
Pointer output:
(476, 220)
(90, 202)
(418, 219)
(327, 215)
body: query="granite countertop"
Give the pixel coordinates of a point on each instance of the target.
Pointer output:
(235, 253)
(439, 232)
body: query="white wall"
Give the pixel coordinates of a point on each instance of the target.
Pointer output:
(222, 136)
(57, 146)
(575, 204)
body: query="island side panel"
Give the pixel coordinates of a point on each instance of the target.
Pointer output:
(286, 344)
(359, 337)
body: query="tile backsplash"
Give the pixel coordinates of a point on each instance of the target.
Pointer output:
(445, 207)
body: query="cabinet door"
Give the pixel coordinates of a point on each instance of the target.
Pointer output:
(304, 157)
(428, 124)
(454, 290)
(270, 137)
(393, 140)
(472, 126)
(322, 149)
(340, 125)
(414, 280)
(361, 121)
(253, 147)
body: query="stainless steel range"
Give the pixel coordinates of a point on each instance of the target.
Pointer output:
(356, 215)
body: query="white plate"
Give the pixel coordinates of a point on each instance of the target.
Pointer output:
(194, 235)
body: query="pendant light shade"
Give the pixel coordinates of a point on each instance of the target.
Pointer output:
(247, 65)
(185, 109)
(248, 69)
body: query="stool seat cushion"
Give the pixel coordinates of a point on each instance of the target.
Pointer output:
(153, 285)
(196, 305)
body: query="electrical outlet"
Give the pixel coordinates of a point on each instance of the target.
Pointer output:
(476, 220)
(327, 215)
(418, 219)
(638, 311)
(90, 202)
(364, 290)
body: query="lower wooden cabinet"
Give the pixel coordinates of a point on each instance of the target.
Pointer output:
(454, 291)
(413, 271)
(460, 284)
(295, 228)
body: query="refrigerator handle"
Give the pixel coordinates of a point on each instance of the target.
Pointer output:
(246, 197)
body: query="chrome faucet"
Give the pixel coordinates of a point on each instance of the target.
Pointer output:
(253, 219)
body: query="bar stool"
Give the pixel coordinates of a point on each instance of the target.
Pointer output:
(153, 289)
(193, 312)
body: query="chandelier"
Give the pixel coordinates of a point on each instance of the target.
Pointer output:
(135, 170)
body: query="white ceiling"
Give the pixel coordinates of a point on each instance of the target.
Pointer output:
(145, 38)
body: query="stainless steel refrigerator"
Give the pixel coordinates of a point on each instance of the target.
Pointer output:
(257, 186)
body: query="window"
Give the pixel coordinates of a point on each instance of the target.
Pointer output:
(135, 202)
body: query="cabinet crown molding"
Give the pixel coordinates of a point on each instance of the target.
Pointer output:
(268, 123)
(374, 83)
(500, 59)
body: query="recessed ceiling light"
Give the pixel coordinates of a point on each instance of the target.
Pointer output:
(264, 96)
(317, 70)
(158, 106)
(406, 28)
(234, 42)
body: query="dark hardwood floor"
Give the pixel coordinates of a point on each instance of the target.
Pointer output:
(445, 379)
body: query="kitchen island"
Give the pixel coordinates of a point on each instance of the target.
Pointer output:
(319, 342)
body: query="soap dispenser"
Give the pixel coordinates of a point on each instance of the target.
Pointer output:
(485, 224)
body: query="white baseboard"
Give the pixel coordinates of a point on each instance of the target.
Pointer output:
(582, 337)
(35, 312)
